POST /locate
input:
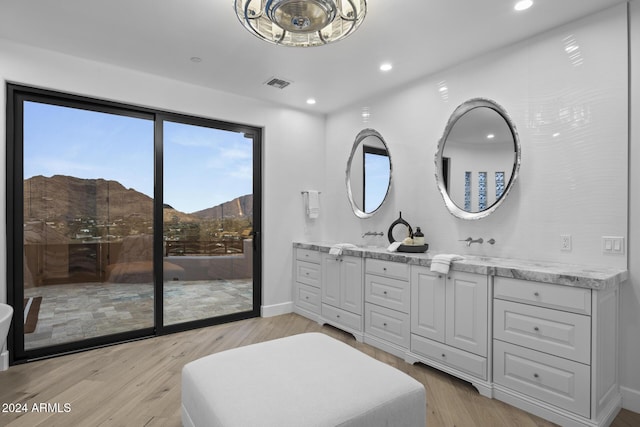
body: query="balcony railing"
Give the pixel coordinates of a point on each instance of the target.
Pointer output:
(201, 247)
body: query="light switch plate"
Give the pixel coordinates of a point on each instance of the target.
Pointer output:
(613, 245)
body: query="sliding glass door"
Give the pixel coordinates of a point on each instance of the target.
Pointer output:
(125, 222)
(87, 205)
(208, 224)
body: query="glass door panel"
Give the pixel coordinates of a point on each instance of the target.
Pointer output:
(208, 224)
(88, 224)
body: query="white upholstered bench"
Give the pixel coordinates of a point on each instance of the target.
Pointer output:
(300, 381)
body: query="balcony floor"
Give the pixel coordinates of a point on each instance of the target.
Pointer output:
(72, 312)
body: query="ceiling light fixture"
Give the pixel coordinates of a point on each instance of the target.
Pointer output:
(311, 101)
(301, 23)
(523, 5)
(386, 67)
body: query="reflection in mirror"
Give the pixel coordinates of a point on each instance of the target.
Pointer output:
(478, 159)
(368, 173)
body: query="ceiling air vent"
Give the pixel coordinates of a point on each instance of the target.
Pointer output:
(277, 83)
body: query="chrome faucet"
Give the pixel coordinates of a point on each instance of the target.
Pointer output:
(373, 233)
(470, 240)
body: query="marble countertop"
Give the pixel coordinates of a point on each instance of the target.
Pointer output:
(541, 271)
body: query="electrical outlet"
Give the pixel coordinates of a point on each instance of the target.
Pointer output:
(565, 242)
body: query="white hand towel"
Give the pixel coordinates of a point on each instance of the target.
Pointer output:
(336, 250)
(313, 204)
(441, 262)
(394, 246)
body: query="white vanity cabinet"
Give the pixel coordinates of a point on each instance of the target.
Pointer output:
(555, 350)
(548, 344)
(449, 322)
(387, 295)
(341, 292)
(307, 274)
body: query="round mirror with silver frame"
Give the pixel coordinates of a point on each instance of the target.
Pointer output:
(478, 159)
(368, 175)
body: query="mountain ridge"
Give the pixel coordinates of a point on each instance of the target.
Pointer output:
(69, 198)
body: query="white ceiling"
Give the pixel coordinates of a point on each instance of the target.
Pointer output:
(419, 37)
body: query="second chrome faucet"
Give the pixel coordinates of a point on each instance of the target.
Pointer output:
(470, 240)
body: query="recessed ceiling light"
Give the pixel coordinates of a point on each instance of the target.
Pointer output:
(490, 136)
(366, 114)
(386, 67)
(311, 101)
(196, 59)
(523, 5)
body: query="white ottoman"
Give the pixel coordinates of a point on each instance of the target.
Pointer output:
(299, 381)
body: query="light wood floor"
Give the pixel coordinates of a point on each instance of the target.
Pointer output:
(138, 383)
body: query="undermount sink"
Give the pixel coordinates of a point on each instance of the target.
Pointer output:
(481, 258)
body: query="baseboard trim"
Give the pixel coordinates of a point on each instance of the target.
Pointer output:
(4, 361)
(276, 309)
(630, 399)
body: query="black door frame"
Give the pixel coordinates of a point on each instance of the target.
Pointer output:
(16, 95)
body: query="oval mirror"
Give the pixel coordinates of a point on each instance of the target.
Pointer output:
(368, 173)
(478, 159)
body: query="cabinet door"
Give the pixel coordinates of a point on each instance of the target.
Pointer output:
(351, 287)
(331, 280)
(427, 303)
(466, 312)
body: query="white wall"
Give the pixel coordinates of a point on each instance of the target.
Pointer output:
(575, 183)
(630, 334)
(288, 134)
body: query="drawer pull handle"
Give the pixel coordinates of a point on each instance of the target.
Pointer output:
(384, 268)
(536, 376)
(535, 328)
(444, 355)
(439, 276)
(384, 324)
(384, 292)
(307, 273)
(536, 294)
(338, 316)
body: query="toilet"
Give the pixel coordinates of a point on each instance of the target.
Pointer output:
(6, 311)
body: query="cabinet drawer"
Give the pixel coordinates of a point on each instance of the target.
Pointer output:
(396, 270)
(387, 292)
(307, 297)
(554, 380)
(341, 318)
(551, 331)
(308, 255)
(307, 273)
(577, 300)
(459, 359)
(386, 324)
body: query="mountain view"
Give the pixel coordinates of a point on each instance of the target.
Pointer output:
(85, 209)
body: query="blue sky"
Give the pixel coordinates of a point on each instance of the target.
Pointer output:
(377, 169)
(203, 167)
